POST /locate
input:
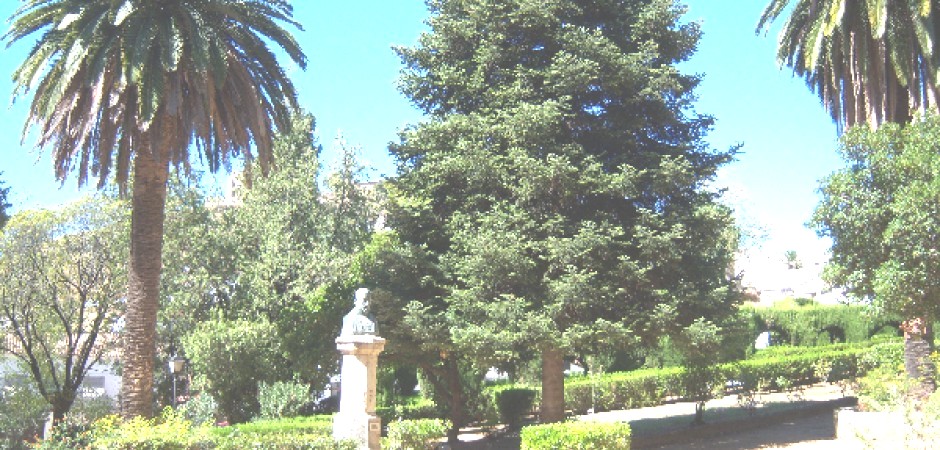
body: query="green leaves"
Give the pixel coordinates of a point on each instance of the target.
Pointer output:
(555, 194)
(881, 212)
(869, 61)
(104, 73)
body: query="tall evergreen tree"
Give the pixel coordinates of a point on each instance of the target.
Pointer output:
(557, 196)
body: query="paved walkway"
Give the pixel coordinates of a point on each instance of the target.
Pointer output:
(780, 421)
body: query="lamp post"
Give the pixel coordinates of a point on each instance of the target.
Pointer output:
(176, 365)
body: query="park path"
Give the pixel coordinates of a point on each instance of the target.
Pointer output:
(809, 429)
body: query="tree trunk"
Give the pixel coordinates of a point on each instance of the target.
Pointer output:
(918, 345)
(449, 390)
(552, 408)
(143, 284)
(60, 407)
(458, 417)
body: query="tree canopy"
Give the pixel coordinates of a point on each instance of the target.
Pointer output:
(558, 194)
(61, 279)
(883, 214)
(868, 61)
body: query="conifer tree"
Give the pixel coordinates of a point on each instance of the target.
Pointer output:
(558, 192)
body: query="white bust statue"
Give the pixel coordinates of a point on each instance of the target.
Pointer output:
(358, 321)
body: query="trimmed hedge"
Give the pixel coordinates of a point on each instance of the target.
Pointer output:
(421, 434)
(576, 435)
(296, 425)
(173, 432)
(491, 395)
(650, 387)
(808, 325)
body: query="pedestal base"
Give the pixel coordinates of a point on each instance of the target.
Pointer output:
(364, 429)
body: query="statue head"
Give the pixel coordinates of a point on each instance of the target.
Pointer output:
(362, 295)
(358, 320)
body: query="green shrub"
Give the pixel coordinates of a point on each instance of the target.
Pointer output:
(889, 355)
(418, 434)
(883, 389)
(322, 424)
(66, 436)
(623, 390)
(231, 357)
(88, 410)
(409, 408)
(513, 403)
(293, 441)
(576, 436)
(282, 399)
(170, 431)
(201, 409)
(22, 411)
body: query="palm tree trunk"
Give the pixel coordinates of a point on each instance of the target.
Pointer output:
(143, 284)
(918, 345)
(552, 408)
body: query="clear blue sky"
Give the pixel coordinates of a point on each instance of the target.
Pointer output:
(349, 85)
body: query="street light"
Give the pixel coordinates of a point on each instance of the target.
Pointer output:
(176, 365)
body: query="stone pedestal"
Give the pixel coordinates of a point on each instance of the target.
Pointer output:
(356, 419)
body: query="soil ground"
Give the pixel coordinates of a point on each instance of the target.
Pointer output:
(798, 421)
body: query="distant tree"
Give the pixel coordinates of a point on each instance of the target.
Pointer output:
(556, 194)
(793, 261)
(133, 87)
(4, 205)
(61, 293)
(883, 214)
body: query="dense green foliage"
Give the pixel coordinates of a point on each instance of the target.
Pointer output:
(513, 404)
(554, 200)
(650, 387)
(230, 358)
(577, 436)
(258, 257)
(171, 432)
(819, 324)
(282, 399)
(22, 411)
(421, 434)
(880, 212)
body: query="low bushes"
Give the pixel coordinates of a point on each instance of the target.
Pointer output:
(409, 408)
(282, 399)
(623, 390)
(492, 396)
(650, 387)
(418, 434)
(576, 435)
(171, 431)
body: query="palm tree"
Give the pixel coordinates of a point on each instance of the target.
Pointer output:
(132, 86)
(869, 61)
